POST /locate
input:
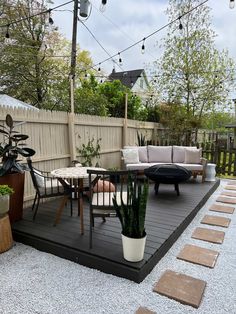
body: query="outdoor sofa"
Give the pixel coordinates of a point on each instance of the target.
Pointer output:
(142, 157)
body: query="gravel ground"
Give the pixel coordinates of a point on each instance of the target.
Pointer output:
(35, 282)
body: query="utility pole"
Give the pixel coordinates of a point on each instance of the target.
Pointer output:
(71, 122)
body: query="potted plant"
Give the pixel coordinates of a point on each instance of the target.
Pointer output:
(132, 218)
(5, 227)
(11, 170)
(5, 192)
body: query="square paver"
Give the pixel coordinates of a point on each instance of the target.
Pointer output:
(222, 209)
(180, 287)
(209, 235)
(198, 255)
(230, 187)
(144, 310)
(226, 200)
(228, 193)
(231, 182)
(216, 221)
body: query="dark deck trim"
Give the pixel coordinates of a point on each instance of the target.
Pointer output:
(116, 266)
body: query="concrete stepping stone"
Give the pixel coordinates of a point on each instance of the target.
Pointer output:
(198, 255)
(227, 193)
(216, 221)
(185, 289)
(230, 187)
(209, 235)
(232, 183)
(144, 310)
(226, 200)
(222, 209)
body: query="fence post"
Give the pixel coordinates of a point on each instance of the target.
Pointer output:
(125, 121)
(71, 133)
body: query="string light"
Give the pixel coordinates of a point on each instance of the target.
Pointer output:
(143, 46)
(7, 32)
(99, 68)
(120, 60)
(102, 7)
(231, 4)
(50, 20)
(180, 24)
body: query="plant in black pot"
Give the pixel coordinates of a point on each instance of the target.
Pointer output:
(131, 214)
(11, 170)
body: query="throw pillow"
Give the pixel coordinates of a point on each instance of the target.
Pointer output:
(193, 156)
(131, 156)
(103, 186)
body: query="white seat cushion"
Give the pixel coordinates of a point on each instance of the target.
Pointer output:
(51, 186)
(130, 155)
(191, 166)
(140, 166)
(106, 198)
(161, 154)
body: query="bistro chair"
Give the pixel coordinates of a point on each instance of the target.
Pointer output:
(47, 186)
(103, 186)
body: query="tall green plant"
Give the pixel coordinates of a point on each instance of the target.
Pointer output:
(132, 213)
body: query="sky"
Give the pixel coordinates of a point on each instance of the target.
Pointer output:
(125, 22)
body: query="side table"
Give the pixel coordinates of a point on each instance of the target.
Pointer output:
(210, 172)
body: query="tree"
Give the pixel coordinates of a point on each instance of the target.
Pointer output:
(192, 73)
(28, 66)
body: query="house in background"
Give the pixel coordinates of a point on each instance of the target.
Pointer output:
(9, 101)
(136, 80)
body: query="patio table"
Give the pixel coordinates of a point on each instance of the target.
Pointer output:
(75, 175)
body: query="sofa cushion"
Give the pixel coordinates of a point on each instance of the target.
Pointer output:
(142, 152)
(179, 153)
(130, 155)
(140, 166)
(193, 156)
(160, 154)
(196, 167)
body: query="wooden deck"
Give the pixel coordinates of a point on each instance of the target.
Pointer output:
(167, 216)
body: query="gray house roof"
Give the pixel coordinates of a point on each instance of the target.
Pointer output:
(9, 101)
(127, 78)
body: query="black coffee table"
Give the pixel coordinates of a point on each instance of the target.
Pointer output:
(167, 174)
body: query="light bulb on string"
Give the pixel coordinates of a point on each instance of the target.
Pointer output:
(143, 46)
(85, 74)
(50, 20)
(102, 7)
(120, 60)
(180, 24)
(99, 67)
(231, 4)
(7, 32)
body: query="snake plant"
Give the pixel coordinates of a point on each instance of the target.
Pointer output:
(131, 213)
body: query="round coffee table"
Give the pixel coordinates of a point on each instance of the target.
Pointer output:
(167, 174)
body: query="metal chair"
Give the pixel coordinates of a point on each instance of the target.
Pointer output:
(103, 186)
(46, 186)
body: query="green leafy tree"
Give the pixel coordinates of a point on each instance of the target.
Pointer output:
(192, 73)
(28, 66)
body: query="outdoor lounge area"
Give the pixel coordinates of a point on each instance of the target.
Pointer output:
(166, 218)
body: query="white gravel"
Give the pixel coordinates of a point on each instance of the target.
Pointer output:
(35, 282)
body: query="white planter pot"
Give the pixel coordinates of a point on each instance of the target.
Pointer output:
(133, 249)
(4, 204)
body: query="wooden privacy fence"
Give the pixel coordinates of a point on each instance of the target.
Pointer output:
(223, 157)
(53, 136)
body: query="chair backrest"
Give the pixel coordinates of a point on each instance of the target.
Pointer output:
(105, 185)
(45, 185)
